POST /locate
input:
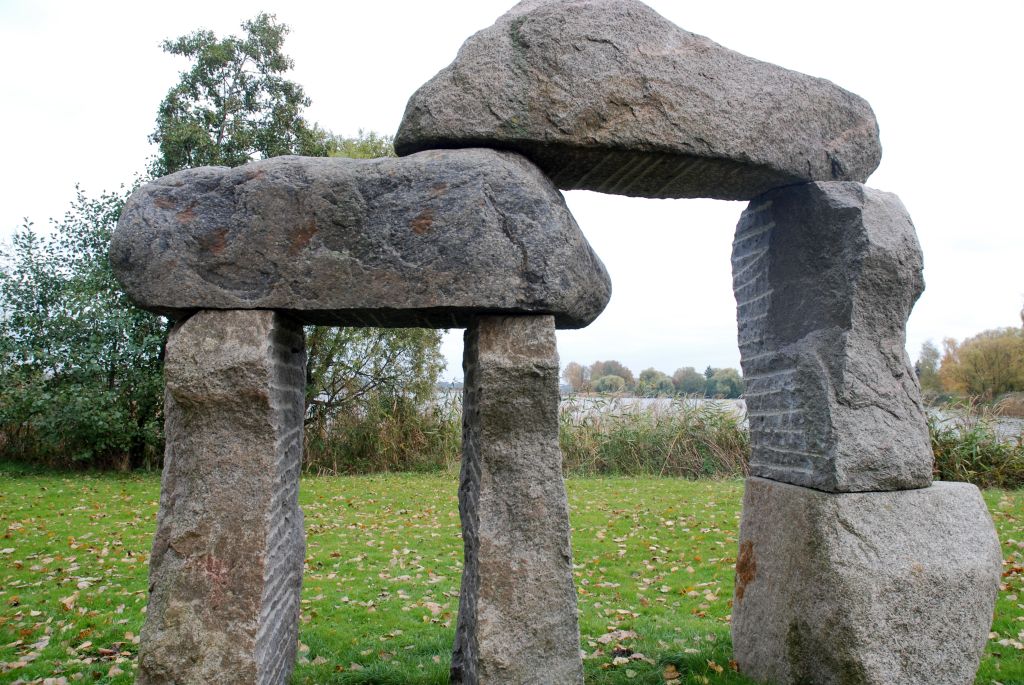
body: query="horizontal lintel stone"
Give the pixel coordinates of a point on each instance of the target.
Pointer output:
(430, 240)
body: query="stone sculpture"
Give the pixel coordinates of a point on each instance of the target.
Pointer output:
(607, 95)
(518, 601)
(867, 587)
(852, 566)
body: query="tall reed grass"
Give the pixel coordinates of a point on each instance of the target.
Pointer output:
(969, 447)
(390, 436)
(682, 438)
(597, 435)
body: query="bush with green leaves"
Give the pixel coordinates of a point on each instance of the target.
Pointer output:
(80, 365)
(610, 383)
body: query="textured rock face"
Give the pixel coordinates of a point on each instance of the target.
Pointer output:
(869, 588)
(607, 95)
(430, 240)
(517, 611)
(226, 568)
(825, 276)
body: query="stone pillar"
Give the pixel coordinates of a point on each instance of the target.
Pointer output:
(226, 567)
(517, 612)
(825, 276)
(852, 567)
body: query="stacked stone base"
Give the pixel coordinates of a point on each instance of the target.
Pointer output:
(868, 588)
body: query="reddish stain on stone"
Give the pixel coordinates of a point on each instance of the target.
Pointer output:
(164, 203)
(188, 214)
(301, 237)
(746, 568)
(218, 575)
(215, 242)
(423, 221)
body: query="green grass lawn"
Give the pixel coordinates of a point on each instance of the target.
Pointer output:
(654, 572)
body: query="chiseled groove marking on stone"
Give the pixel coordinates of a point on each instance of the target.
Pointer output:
(794, 452)
(750, 229)
(754, 375)
(629, 173)
(755, 261)
(279, 610)
(782, 412)
(679, 177)
(612, 159)
(465, 654)
(756, 298)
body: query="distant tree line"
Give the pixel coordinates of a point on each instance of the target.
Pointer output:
(612, 376)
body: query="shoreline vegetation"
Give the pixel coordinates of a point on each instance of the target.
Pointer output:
(617, 435)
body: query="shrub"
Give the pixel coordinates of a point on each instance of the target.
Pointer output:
(968, 447)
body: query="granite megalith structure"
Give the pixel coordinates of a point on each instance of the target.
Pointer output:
(851, 562)
(241, 258)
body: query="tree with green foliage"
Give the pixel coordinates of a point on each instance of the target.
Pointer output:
(233, 104)
(688, 381)
(654, 383)
(610, 384)
(612, 368)
(80, 366)
(726, 384)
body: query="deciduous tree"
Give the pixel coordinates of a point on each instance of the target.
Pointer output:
(688, 381)
(985, 365)
(612, 368)
(577, 376)
(233, 103)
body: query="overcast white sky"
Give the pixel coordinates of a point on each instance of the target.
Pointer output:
(81, 82)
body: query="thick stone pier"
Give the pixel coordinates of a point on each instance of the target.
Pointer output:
(517, 611)
(226, 568)
(852, 566)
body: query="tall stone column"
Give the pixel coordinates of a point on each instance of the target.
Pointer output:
(852, 566)
(226, 567)
(517, 612)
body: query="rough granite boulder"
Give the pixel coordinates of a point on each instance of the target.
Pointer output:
(870, 588)
(608, 95)
(429, 240)
(825, 276)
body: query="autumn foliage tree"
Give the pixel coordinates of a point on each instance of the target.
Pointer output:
(985, 365)
(577, 376)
